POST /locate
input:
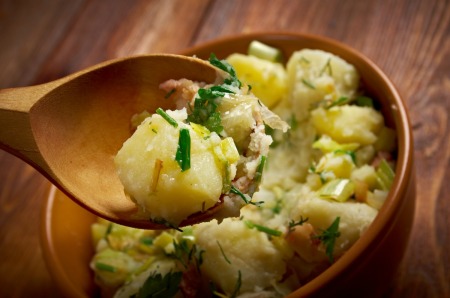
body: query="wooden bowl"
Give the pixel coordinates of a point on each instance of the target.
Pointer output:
(366, 269)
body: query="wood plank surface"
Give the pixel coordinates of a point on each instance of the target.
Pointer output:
(408, 40)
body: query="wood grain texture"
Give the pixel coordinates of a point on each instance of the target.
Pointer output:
(409, 40)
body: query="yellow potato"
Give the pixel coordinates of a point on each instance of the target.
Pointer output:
(315, 76)
(348, 124)
(152, 177)
(231, 247)
(268, 79)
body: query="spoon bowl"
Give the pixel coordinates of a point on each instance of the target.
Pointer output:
(71, 129)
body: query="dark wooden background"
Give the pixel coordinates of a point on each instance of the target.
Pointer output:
(408, 39)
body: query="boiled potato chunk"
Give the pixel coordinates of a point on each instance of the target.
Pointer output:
(355, 218)
(268, 79)
(152, 177)
(315, 76)
(348, 124)
(231, 247)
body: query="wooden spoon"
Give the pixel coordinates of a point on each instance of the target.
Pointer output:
(71, 129)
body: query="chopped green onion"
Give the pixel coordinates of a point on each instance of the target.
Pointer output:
(263, 229)
(308, 84)
(146, 240)
(337, 189)
(223, 253)
(183, 155)
(327, 66)
(364, 101)
(166, 117)
(259, 170)
(264, 51)
(340, 101)
(385, 175)
(303, 59)
(105, 267)
(170, 93)
(236, 191)
(237, 287)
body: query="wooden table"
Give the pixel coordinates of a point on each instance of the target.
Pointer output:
(409, 40)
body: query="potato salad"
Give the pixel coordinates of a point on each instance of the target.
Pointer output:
(325, 178)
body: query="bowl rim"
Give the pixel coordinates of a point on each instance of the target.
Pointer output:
(54, 266)
(393, 203)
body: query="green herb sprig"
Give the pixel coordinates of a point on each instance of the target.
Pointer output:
(328, 238)
(294, 223)
(204, 111)
(157, 286)
(236, 191)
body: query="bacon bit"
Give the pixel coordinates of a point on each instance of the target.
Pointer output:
(380, 156)
(191, 283)
(301, 240)
(155, 176)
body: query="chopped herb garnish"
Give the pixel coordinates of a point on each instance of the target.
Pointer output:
(166, 117)
(337, 102)
(308, 84)
(170, 93)
(146, 240)
(237, 287)
(236, 191)
(327, 67)
(328, 238)
(181, 252)
(157, 286)
(223, 253)
(278, 206)
(303, 59)
(225, 66)
(259, 170)
(263, 229)
(154, 130)
(183, 155)
(293, 123)
(204, 111)
(187, 254)
(364, 101)
(105, 267)
(294, 223)
(164, 222)
(108, 230)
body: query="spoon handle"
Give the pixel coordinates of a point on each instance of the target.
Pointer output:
(16, 135)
